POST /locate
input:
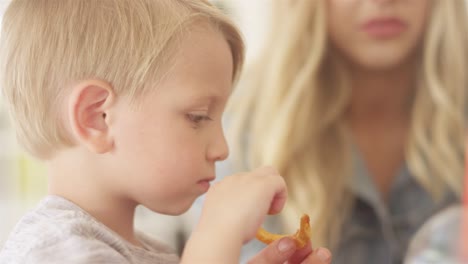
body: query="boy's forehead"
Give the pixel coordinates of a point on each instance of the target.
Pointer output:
(202, 68)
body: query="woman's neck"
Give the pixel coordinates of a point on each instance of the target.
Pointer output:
(382, 95)
(379, 117)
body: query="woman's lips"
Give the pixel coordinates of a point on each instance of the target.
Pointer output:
(384, 28)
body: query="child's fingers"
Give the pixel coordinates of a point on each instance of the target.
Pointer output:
(301, 254)
(277, 252)
(279, 200)
(277, 184)
(319, 256)
(284, 251)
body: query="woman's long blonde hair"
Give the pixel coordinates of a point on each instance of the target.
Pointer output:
(289, 112)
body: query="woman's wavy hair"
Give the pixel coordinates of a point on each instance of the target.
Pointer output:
(289, 112)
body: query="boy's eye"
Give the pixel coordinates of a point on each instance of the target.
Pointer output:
(198, 118)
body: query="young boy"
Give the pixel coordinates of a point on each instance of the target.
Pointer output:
(123, 99)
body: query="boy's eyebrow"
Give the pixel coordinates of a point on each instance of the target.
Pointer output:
(212, 96)
(208, 97)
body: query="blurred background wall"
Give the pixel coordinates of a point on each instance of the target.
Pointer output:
(22, 180)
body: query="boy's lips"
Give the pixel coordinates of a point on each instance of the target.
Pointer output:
(205, 183)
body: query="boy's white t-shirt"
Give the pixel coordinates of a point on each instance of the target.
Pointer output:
(58, 231)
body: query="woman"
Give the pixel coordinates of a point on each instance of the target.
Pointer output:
(360, 104)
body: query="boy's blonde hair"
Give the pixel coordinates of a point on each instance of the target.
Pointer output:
(299, 126)
(47, 45)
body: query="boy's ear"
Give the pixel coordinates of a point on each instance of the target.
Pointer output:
(88, 113)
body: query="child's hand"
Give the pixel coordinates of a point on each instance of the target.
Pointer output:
(233, 211)
(240, 202)
(283, 251)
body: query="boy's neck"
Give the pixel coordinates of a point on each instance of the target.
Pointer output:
(81, 184)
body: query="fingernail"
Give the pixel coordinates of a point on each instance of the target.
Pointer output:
(323, 254)
(285, 245)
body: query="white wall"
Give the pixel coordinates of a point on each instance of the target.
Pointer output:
(8, 213)
(252, 17)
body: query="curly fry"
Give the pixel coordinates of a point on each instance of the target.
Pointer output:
(301, 237)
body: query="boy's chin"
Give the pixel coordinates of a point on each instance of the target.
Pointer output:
(175, 209)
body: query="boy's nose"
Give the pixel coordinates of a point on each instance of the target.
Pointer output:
(218, 149)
